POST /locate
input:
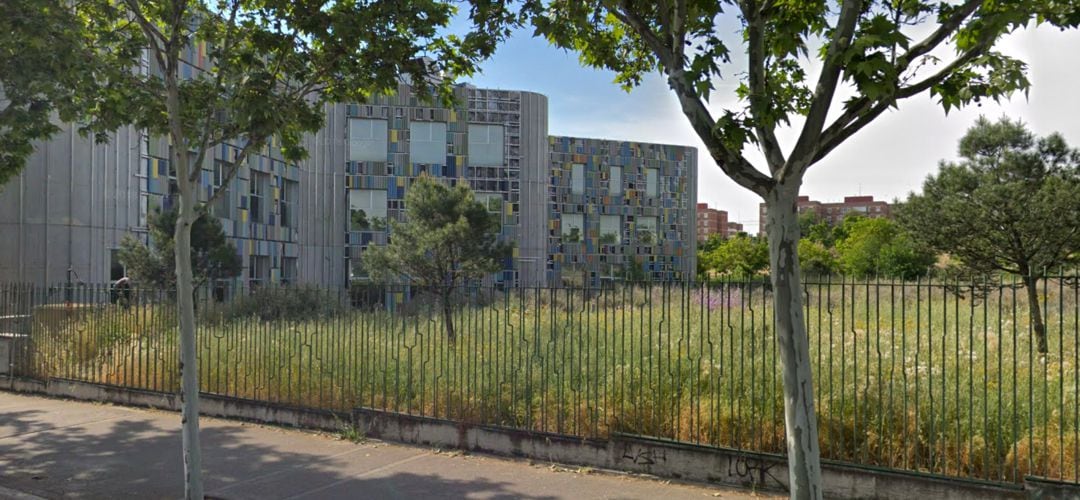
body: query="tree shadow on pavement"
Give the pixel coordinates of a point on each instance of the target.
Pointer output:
(127, 456)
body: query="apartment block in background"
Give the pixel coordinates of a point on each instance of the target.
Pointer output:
(711, 221)
(835, 212)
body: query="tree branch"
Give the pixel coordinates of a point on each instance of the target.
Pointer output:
(759, 100)
(942, 33)
(237, 164)
(731, 162)
(831, 69)
(204, 137)
(865, 110)
(153, 35)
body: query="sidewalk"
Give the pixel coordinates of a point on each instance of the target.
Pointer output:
(56, 448)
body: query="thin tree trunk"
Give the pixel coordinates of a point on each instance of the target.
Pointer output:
(800, 418)
(448, 317)
(185, 299)
(1031, 283)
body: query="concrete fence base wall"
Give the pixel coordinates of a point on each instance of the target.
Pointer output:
(209, 404)
(670, 459)
(621, 452)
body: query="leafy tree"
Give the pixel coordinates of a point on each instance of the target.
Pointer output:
(740, 256)
(1011, 204)
(46, 68)
(874, 246)
(905, 258)
(883, 52)
(212, 255)
(272, 67)
(815, 258)
(448, 239)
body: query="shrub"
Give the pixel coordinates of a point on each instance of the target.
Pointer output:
(292, 303)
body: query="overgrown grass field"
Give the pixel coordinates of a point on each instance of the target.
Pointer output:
(932, 377)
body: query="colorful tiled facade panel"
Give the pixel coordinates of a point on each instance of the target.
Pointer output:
(393, 140)
(620, 210)
(257, 208)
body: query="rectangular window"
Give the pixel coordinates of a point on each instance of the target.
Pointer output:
(614, 187)
(367, 209)
(492, 201)
(287, 203)
(577, 179)
(485, 145)
(258, 185)
(573, 227)
(610, 229)
(645, 230)
(258, 270)
(367, 140)
(427, 142)
(288, 270)
(652, 182)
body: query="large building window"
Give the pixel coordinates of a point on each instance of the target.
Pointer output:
(652, 182)
(645, 230)
(367, 209)
(287, 203)
(427, 142)
(610, 229)
(614, 186)
(258, 185)
(577, 179)
(492, 201)
(288, 270)
(485, 145)
(258, 270)
(223, 205)
(367, 140)
(573, 227)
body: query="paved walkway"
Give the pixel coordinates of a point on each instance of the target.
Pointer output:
(55, 448)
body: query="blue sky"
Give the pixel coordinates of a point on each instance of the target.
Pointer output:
(887, 159)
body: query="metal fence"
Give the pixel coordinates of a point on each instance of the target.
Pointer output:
(930, 376)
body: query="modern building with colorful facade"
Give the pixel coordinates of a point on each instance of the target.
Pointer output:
(578, 211)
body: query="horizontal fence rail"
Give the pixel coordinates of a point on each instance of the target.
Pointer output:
(941, 377)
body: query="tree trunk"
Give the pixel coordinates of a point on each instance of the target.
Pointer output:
(448, 316)
(800, 418)
(185, 298)
(1031, 283)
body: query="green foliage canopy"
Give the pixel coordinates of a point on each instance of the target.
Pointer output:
(1011, 204)
(448, 238)
(876, 246)
(212, 255)
(48, 64)
(741, 257)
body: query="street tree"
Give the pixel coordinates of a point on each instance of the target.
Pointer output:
(881, 52)
(447, 239)
(1012, 204)
(212, 255)
(271, 66)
